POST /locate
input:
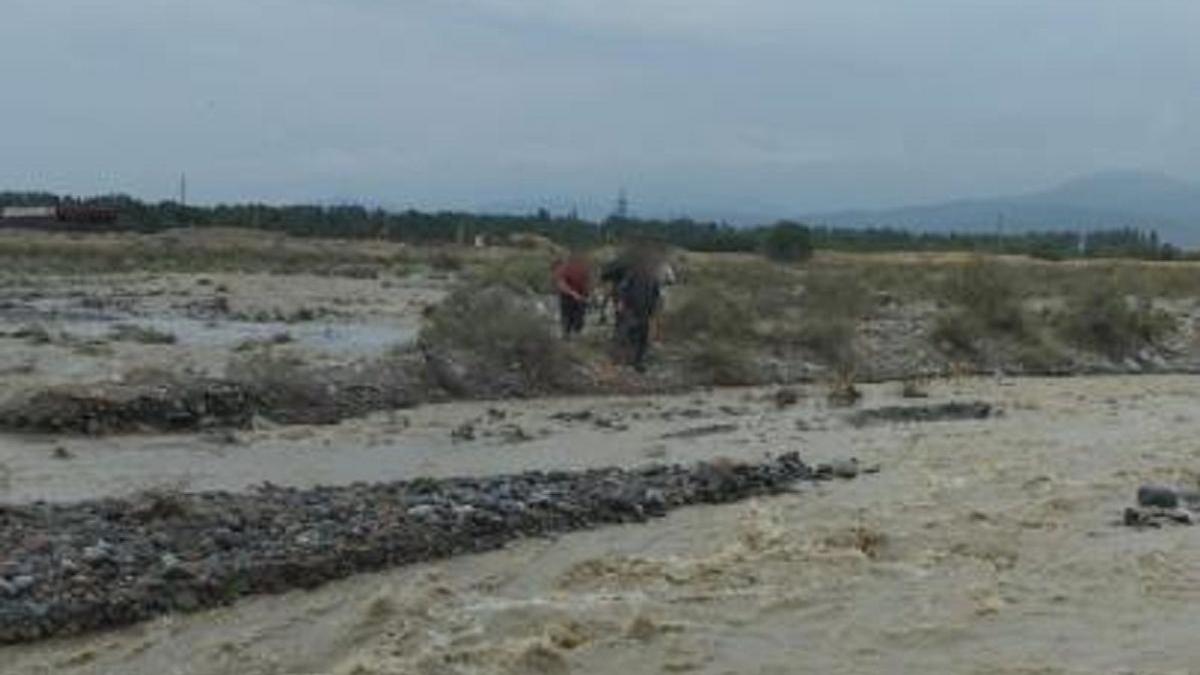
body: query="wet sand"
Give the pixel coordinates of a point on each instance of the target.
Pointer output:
(982, 546)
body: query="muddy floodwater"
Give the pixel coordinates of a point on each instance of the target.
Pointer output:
(981, 546)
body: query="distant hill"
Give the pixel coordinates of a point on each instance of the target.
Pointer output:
(1106, 200)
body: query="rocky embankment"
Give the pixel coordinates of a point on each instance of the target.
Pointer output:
(188, 403)
(123, 408)
(71, 568)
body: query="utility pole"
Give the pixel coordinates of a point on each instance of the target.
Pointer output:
(183, 189)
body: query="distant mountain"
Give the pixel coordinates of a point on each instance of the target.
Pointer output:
(1110, 199)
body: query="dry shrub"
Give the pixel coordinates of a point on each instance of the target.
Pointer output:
(1105, 320)
(834, 293)
(832, 340)
(990, 294)
(747, 276)
(841, 389)
(1154, 279)
(525, 273)
(710, 313)
(146, 335)
(915, 386)
(834, 304)
(290, 390)
(985, 301)
(722, 365)
(500, 332)
(1041, 355)
(957, 331)
(717, 330)
(446, 260)
(1179, 279)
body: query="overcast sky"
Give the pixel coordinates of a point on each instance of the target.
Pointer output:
(703, 107)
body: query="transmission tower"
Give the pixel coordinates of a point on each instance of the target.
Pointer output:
(622, 211)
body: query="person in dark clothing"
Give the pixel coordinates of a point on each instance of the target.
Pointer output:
(611, 275)
(573, 281)
(638, 296)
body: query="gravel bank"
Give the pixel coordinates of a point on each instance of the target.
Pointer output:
(71, 568)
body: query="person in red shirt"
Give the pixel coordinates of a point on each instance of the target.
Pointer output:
(573, 281)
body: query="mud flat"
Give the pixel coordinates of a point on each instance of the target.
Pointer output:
(60, 329)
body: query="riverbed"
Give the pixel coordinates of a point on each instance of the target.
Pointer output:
(981, 545)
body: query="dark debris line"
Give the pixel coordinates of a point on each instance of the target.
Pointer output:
(941, 412)
(71, 568)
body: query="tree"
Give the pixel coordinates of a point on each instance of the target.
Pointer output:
(786, 241)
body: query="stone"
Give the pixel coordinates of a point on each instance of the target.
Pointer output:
(95, 554)
(844, 468)
(138, 568)
(422, 511)
(786, 397)
(1157, 496)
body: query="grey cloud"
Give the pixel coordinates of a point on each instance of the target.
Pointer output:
(702, 107)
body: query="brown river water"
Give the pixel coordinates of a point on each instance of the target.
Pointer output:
(981, 546)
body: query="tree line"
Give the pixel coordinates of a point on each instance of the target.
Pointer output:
(783, 240)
